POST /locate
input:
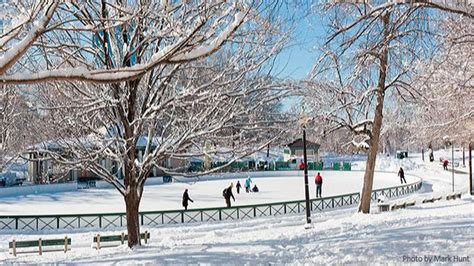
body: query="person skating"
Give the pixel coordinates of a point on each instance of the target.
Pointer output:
(401, 174)
(319, 183)
(247, 184)
(238, 186)
(255, 188)
(186, 198)
(301, 166)
(227, 193)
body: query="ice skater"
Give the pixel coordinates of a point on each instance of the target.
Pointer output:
(247, 184)
(318, 180)
(301, 166)
(255, 188)
(401, 174)
(186, 198)
(227, 193)
(238, 186)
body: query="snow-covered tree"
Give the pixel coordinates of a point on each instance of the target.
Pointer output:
(111, 41)
(446, 83)
(172, 77)
(371, 52)
(20, 125)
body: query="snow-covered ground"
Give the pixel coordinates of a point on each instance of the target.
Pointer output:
(416, 234)
(204, 193)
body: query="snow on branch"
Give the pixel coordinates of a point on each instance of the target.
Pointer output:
(13, 53)
(182, 50)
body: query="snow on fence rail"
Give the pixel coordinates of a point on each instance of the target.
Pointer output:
(153, 218)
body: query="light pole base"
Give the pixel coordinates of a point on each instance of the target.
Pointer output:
(308, 226)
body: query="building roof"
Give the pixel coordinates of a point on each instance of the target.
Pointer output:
(298, 143)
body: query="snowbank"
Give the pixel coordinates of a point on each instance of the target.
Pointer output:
(338, 237)
(424, 231)
(388, 164)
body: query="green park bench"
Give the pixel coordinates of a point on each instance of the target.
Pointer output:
(43, 245)
(431, 200)
(336, 166)
(453, 196)
(115, 240)
(383, 207)
(398, 206)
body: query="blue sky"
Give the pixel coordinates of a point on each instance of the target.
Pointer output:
(298, 58)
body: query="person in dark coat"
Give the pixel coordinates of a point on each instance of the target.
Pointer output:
(238, 186)
(318, 180)
(227, 193)
(401, 174)
(186, 198)
(255, 189)
(445, 164)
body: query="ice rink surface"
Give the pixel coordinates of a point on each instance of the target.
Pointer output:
(204, 193)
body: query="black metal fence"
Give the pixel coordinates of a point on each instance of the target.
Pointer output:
(152, 218)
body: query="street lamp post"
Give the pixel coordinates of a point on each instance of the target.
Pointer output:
(471, 190)
(452, 163)
(303, 122)
(306, 185)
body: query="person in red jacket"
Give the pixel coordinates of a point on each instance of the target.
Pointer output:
(301, 166)
(319, 183)
(445, 164)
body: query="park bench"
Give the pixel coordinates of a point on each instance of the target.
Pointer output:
(115, 240)
(43, 245)
(86, 184)
(398, 206)
(453, 196)
(383, 207)
(431, 200)
(403, 205)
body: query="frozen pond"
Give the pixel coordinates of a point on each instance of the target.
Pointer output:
(204, 193)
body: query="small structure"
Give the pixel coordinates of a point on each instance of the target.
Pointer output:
(43, 169)
(402, 154)
(295, 149)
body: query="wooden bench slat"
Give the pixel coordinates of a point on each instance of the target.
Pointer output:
(117, 238)
(35, 243)
(55, 242)
(44, 250)
(63, 244)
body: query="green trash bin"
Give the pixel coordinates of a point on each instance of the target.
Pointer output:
(336, 166)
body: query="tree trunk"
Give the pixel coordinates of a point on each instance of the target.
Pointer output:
(366, 194)
(132, 202)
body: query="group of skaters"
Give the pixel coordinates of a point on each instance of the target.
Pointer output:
(248, 184)
(226, 193)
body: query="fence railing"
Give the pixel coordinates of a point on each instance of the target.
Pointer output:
(152, 218)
